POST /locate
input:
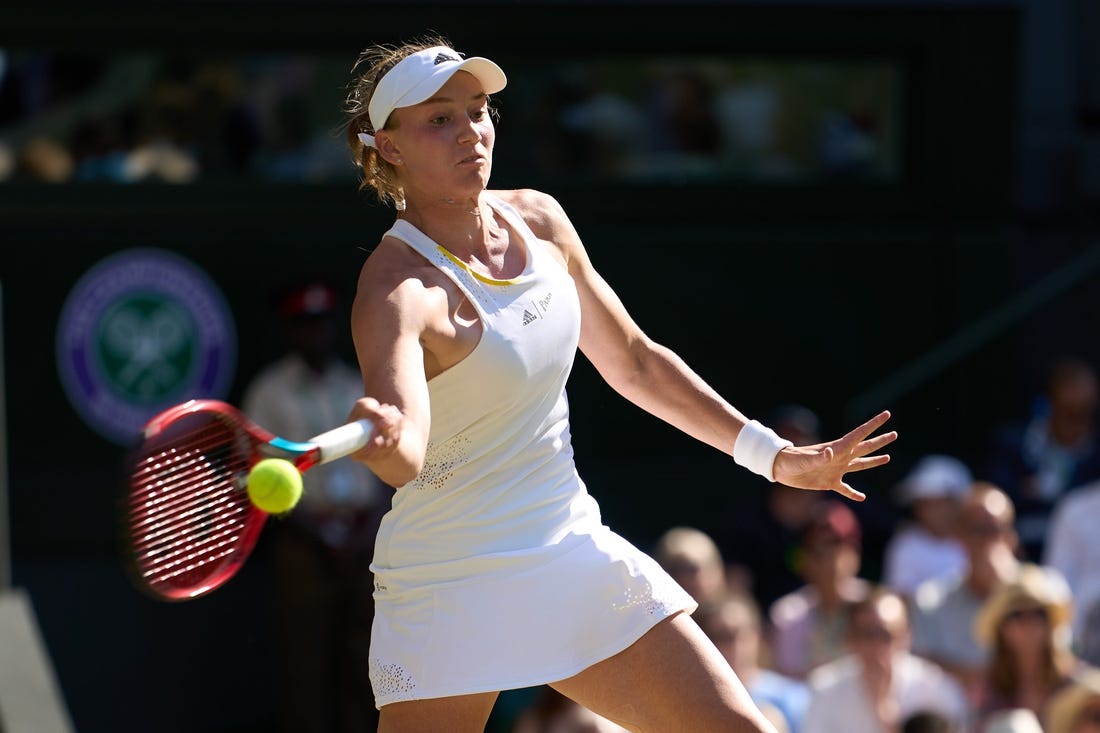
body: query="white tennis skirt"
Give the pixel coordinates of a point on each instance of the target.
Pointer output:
(514, 620)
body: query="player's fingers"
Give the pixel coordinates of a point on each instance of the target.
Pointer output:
(850, 493)
(862, 464)
(873, 444)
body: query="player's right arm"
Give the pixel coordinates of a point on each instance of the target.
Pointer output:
(389, 318)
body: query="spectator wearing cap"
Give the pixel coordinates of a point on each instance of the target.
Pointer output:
(1076, 707)
(807, 625)
(1026, 626)
(944, 608)
(926, 545)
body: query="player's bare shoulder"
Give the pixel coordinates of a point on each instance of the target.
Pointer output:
(396, 280)
(543, 214)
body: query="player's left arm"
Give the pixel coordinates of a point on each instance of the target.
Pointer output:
(656, 379)
(650, 375)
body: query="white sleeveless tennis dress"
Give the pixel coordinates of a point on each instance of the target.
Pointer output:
(493, 569)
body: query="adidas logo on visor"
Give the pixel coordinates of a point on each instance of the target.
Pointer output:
(442, 58)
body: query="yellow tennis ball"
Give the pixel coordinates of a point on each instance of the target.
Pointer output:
(274, 485)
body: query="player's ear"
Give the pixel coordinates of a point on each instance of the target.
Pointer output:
(387, 148)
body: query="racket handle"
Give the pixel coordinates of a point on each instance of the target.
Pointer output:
(341, 441)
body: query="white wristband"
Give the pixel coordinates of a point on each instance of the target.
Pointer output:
(756, 448)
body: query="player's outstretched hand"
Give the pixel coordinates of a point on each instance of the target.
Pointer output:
(821, 467)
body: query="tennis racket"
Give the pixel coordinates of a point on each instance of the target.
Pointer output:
(189, 525)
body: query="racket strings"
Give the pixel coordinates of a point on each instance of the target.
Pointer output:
(188, 507)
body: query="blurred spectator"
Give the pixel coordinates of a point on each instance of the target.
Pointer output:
(682, 108)
(322, 550)
(7, 161)
(44, 160)
(1013, 720)
(750, 113)
(100, 146)
(583, 127)
(693, 560)
(1076, 707)
(929, 721)
(927, 545)
(764, 536)
(878, 684)
(1055, 451)
(944, 609)
(1026, 625)
(553, 712)
(807, 626)
(1074, 550)
(734, 624)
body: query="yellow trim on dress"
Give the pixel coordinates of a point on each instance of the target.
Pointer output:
(483, 278)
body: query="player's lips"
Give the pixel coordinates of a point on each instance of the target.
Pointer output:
(475, 158)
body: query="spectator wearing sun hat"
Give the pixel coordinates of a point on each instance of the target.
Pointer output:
(1076, 707)
(926, 545)
(1026, 626)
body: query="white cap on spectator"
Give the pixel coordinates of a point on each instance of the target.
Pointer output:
(935, 476)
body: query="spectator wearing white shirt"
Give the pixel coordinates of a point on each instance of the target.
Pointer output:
(880, 684)
(927, 546)
(1072, 548)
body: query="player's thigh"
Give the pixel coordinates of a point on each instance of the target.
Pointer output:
(671, 680)
(457, 714)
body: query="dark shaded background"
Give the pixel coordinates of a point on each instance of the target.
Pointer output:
(939, 296)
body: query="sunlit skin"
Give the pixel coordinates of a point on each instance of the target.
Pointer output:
(410, 322)
(735, 630)
(443, 148)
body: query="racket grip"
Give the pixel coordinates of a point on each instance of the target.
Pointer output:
(339, 442)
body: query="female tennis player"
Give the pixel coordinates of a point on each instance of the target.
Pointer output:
(493, 568)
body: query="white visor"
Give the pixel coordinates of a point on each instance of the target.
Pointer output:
(419, 76)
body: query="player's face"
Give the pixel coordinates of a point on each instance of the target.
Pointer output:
(445, 143)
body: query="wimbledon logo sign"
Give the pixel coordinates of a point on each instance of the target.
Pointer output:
(142, 330)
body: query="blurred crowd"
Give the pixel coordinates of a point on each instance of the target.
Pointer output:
(155, 118)
(984, 618)
(172, 118)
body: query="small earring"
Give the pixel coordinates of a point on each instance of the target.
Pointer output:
(400, 161)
